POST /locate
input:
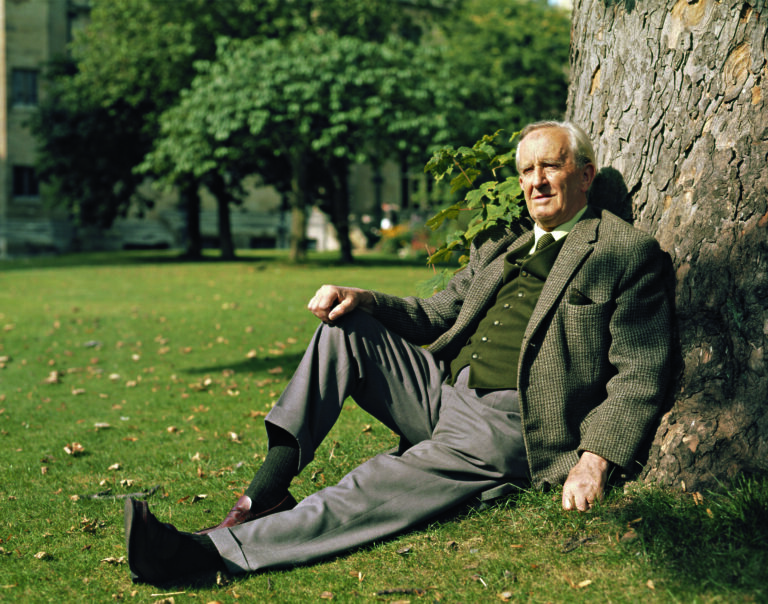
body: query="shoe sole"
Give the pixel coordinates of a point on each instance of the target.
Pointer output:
(135, 542)
(128, 514)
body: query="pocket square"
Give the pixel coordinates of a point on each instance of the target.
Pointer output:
(576, 298)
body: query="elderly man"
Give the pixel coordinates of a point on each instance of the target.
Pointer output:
(547, 360)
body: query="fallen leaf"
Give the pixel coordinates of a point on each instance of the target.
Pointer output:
(74, 449)
(233, 437)
(630, 535)
(650, 584)
(126, 482)
(505, 596)
(101, 425)
(403, 551)
(43, 556)
(326, 595)
(197, 498)
(54, 377)
(44, 470)
(585, 583)
(171, 429)
(114, 561)
(275, 370)
(114, 467)
(78, 391)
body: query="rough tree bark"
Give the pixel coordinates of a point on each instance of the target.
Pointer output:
(673, 93)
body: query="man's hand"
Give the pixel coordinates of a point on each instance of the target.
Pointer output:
(331, 302)
(585, 483)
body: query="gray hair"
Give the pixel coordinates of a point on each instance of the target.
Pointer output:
(581, 146)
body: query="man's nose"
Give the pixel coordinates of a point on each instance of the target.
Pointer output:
(539, 176)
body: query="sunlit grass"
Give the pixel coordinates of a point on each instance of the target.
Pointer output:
(162, 371)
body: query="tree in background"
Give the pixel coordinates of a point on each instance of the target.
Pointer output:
(136, 58)
(299, 112)
(130, 65)
(510, 60)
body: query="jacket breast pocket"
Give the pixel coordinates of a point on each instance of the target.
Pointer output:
(587, 329)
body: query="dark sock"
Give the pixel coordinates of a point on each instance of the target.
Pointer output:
(269, 486)
(196, 553)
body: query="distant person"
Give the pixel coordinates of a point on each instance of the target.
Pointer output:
(548, 360)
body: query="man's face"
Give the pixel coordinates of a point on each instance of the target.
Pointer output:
(555, 188)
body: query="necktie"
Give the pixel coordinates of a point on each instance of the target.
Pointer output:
(544, 241)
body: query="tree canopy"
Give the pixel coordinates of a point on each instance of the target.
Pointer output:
(161, 85)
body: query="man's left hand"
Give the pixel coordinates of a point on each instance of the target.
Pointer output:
(585, 483)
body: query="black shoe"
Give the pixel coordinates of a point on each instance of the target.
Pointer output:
(158, 552)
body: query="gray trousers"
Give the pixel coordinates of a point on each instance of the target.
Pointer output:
(464, 441)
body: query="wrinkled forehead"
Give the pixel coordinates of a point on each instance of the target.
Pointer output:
(546, 145)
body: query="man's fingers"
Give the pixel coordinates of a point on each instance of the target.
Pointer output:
(340, 309)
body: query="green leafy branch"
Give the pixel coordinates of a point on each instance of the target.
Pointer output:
(493, 198)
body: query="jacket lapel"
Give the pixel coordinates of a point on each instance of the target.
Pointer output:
(578, 245)
(488, 282)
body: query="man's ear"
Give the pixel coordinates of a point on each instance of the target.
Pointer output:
(588, 175)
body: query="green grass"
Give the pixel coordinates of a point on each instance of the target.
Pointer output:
(158, 363)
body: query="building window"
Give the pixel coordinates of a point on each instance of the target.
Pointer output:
(24, 87)
(25, 182)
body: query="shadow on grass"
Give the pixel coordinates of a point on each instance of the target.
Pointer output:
(718, 541)
(153, 257)
(288, 362)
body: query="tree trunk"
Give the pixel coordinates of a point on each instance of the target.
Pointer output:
(340, 209)
(218, 188)
(298, 201)
(673, 94)
(190, 200)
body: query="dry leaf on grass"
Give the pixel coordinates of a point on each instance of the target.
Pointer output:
(113, 561)
(54, 377)
(74, 449)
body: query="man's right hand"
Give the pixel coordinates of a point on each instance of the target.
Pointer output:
(331, 302)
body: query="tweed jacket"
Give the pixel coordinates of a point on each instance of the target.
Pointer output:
(594, 363)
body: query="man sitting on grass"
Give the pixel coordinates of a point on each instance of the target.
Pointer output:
(548, 360)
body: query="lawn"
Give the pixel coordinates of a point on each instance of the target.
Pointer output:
(135, 372)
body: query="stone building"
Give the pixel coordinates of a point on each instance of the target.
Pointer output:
(32, 32)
